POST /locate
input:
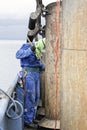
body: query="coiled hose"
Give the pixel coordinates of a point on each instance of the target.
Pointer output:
(15, 113)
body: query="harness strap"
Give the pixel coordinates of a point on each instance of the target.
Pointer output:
(31, 70)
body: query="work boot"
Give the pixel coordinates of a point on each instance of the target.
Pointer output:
(32, 125)
(36, 121)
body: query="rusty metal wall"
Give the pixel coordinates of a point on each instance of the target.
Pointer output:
(50, 59)
(74, 65)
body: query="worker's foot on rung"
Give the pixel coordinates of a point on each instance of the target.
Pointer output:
(36, 121)
(32, 125)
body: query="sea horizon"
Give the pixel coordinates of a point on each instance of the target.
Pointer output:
(9, 65)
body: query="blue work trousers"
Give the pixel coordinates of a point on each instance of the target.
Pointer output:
(32, 96)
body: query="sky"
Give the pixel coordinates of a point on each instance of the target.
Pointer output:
(14, 18)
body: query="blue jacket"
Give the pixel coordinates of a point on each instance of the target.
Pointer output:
(28, 58)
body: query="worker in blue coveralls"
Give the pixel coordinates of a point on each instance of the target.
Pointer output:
(31, 68)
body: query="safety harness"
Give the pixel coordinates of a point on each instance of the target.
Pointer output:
(30, 70)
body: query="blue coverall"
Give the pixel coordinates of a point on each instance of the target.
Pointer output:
(29, 61)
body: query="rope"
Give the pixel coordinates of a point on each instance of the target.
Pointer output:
(29, 41)
(57, 58)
